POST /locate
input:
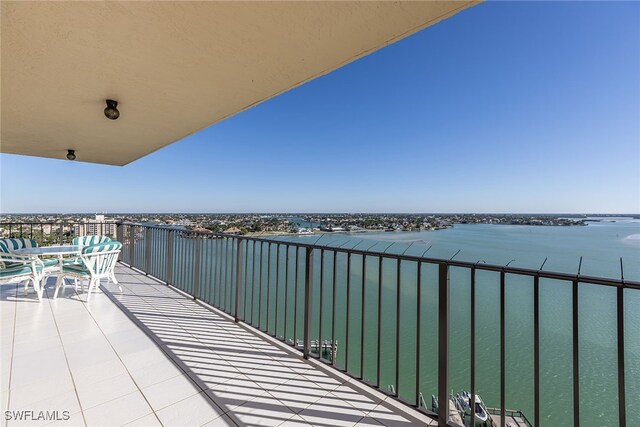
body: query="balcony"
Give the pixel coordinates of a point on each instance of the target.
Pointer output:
(245, 330)
(154, 356)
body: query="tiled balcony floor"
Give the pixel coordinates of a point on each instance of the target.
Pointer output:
(156, 357)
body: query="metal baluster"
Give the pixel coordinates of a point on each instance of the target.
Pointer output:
(246, 279)
(218, 291)
(379, 339)
(502, 349)
(226, 274)
(576, 363)
(536, 349)
(295, 300)
(362, 314)
(275, 329)
(286, 292)
(346, 346)
(119, 234)
(170, 257)
(443, 345)
(621, 382)
(253, 280)
(398, 282)
(333, 311)
(238, 279)
(418, 322)
(268, 285)
(472, 368)
(321, 303)
(307, 302)
(196, 268)
(132, 242)
(147, 247)
(260, 287)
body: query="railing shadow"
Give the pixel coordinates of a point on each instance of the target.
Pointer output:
(250, 379)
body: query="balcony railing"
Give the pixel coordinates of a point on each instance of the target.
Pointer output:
(370, 314)
(56, 233)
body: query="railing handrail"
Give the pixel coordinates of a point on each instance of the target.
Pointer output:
(596, 280)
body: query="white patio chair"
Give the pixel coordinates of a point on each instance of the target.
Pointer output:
(13, 267)
(21, 269)
(84, 241)
(96, 262)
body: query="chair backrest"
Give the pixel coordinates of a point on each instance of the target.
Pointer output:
(101, 259)
(89, 240)
(8, 245)
(11, 244)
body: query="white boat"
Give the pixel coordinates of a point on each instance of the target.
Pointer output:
(466, 404)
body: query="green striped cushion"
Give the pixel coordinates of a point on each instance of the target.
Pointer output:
(76, 268)
(17, 271)
(9, 245)
(50, 262)
(89, 240)
(102, 247)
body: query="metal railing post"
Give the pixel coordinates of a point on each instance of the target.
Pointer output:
(147, 251)
(132, 245)
(576, 358)
(196, 268)
(622, 416)
(443, 345)
(170, 257)
(236, 317)
(307, 301)
(119, 232)
(503, 358)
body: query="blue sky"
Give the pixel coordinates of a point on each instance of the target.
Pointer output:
(518, 107)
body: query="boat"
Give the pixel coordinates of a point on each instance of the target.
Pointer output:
(465, 404)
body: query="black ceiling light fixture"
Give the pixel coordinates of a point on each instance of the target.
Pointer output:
(111, 111)
(71, 154)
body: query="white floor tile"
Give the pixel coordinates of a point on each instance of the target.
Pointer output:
(192, 411)
(262, 411)
(223, 421)
(119, 411)
(150, 420)
(248, 379)
(332, 411)
(155, 373)
(170, 391)
(94, 394)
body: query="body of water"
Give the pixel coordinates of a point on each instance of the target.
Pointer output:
(600, 244)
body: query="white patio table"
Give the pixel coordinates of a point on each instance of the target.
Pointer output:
(60, 251)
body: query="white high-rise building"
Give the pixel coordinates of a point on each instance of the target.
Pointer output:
(99, 226)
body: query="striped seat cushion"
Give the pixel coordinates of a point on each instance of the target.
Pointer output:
(102, 247)
(79, 268)
(50, 262)
(18, 270)
(76, 268)
(89, 240)
(8, 245)
(11, 244)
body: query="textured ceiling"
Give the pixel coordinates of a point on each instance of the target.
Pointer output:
(174, 67)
